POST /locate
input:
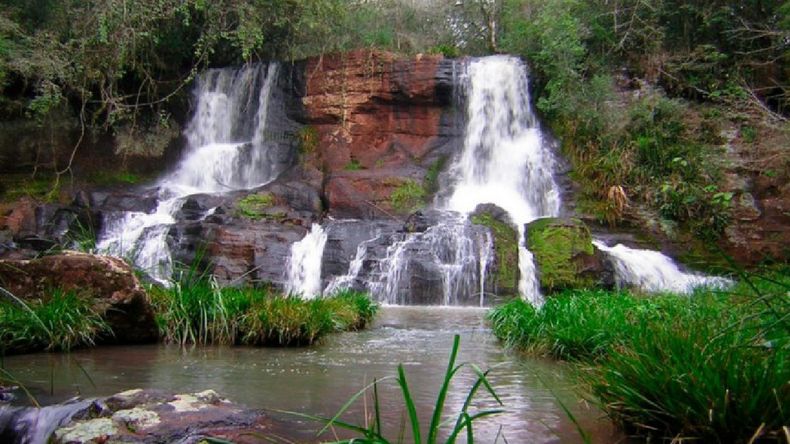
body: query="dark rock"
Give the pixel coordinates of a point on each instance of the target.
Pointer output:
(417, 222)
(116, 293)
(344, 238)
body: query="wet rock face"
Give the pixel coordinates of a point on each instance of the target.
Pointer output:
(504, 267)
(565, 256)
(116, 293)
(141, 416)
(377, 120)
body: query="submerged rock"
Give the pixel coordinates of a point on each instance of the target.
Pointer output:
(565, 256)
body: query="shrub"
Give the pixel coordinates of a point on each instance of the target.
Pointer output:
(408, 196)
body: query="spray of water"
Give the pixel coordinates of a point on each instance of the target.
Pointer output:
(226, 151)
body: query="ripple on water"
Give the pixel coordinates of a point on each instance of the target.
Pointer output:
(319, 380)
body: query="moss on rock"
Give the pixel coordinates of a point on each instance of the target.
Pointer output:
(506, 248)
(561, 248)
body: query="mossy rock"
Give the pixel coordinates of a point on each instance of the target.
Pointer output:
(505, 246)
(564, 254)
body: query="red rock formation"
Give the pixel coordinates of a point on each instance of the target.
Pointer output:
(378, 120)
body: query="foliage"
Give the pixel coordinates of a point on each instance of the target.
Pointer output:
(711, 366)
(462, 426)
(353, 165)
(408, 196)
(253, 205)
(62, 321)
(287, 320)
(196, 310)
(432, 176)
(506, 248)
(640, 150)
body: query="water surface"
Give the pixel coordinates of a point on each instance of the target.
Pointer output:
(319, 380)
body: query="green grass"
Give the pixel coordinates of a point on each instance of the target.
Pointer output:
(711, 366)
(63, 321)
(408, 196)
(353, 165)
(199, 311)
(115, 178)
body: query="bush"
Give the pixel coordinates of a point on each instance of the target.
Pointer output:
(408, 196)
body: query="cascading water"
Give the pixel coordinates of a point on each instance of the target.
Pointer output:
(304, 265)
(652, 271)
(227, 150)
(505, 161)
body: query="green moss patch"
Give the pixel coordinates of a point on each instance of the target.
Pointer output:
(506, 247)
(254, 205)
(557, 245)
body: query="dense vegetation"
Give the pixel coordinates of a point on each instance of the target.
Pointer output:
(710, 366)
(643, 94)
(201, 312)
(196, 311)
(640, 92)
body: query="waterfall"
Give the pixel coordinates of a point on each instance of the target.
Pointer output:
(506, 159)
(304, 265)
(652, 271)
(227, 149)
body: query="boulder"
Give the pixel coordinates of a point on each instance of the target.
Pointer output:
(505, 267)
(141, 416)
(565, 256)
(117, 295)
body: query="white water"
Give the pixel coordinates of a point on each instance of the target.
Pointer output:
(226, 151)
(652, 271)
(506, 159)
(304, 265)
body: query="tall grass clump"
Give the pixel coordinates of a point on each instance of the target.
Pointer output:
(61, 321)
(197, 310)
(711, 366)
(286, 320)
(290, 320)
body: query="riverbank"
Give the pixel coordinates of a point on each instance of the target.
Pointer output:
(714, 365)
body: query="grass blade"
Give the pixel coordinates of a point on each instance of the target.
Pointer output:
(415, 422)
